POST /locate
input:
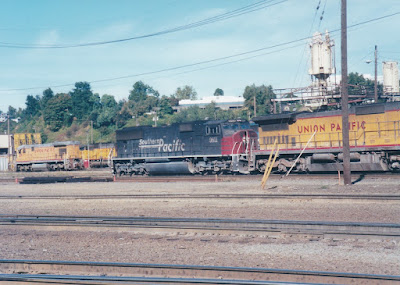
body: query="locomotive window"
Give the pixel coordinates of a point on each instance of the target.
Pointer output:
(215, 130)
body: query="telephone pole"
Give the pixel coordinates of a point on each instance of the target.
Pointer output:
(376, 75)
(9, 141)
(345, 97)
(255, 105)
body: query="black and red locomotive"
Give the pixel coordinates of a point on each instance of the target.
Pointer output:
(199, 147)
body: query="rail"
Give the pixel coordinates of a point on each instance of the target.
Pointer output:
(358, 197)
(323, 228)
(72, 271)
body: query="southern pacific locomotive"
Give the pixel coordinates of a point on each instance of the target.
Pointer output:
(232, 146)
(194, 147)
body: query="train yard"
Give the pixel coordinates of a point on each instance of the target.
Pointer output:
(201, 230)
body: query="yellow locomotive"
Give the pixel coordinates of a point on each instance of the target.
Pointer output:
(97, 155)
(50, 156)
(374, 139)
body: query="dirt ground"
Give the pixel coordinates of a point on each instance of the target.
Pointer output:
(281, 251)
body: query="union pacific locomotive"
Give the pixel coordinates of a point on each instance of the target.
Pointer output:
(374, 139)
(194, 147)
(69, 155)
(310, 142)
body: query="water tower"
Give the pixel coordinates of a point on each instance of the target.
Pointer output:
(390, 78)
(322, 65)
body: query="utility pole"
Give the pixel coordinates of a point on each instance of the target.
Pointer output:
(376, 75)
(9, 142)
(91, 131)
(255, 105)
(345, 97)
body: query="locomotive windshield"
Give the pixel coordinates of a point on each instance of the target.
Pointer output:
(229, 129)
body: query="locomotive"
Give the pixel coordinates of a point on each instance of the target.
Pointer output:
(68, 155)
(374, 136)
(50, 156)
(308, 142)
(199, 147)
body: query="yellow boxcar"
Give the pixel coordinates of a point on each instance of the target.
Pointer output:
(52, 156)
(374, 139)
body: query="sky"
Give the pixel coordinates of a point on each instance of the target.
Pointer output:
(170, 60)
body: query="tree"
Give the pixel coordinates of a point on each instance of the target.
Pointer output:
(108, 113)
(57, 112)
(12, 112)
(187, 92)
(219, 92)
(141, 91)
(82, 100)
(359, 85)
(210, 111)
(263, 95)
(165, 106)
(32, 105)
(47, 95)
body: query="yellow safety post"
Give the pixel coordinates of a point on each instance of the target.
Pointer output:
(268, 163)
(269, 167)
(269, 160)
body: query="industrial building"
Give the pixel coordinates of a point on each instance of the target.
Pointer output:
(222, 102)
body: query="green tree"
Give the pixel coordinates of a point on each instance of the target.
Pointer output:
(359, 85)
(82, 100)
(57, 112)
(141, 91)
(12, 112)
(32, 106)
(219, 92)
(165, 106)
(263, 95)
(47, 95)
(187, 92)
(193, 113)
(210, 111)
(109, 109)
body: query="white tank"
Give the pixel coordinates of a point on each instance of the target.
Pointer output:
(390, 77)
(321, 56)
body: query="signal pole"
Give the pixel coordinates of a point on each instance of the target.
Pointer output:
(345, 97)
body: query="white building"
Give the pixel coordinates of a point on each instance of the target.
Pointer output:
(6, 146)
(222, 102)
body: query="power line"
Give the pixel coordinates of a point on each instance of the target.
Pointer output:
(206, 61)
(234, 13)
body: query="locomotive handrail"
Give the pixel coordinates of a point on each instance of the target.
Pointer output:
(233, 148)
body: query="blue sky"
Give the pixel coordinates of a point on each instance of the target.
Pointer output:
(65, 22)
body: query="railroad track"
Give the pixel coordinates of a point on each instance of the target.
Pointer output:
(55, 177)
(70, 272)
(257, 227)
(358, 197)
